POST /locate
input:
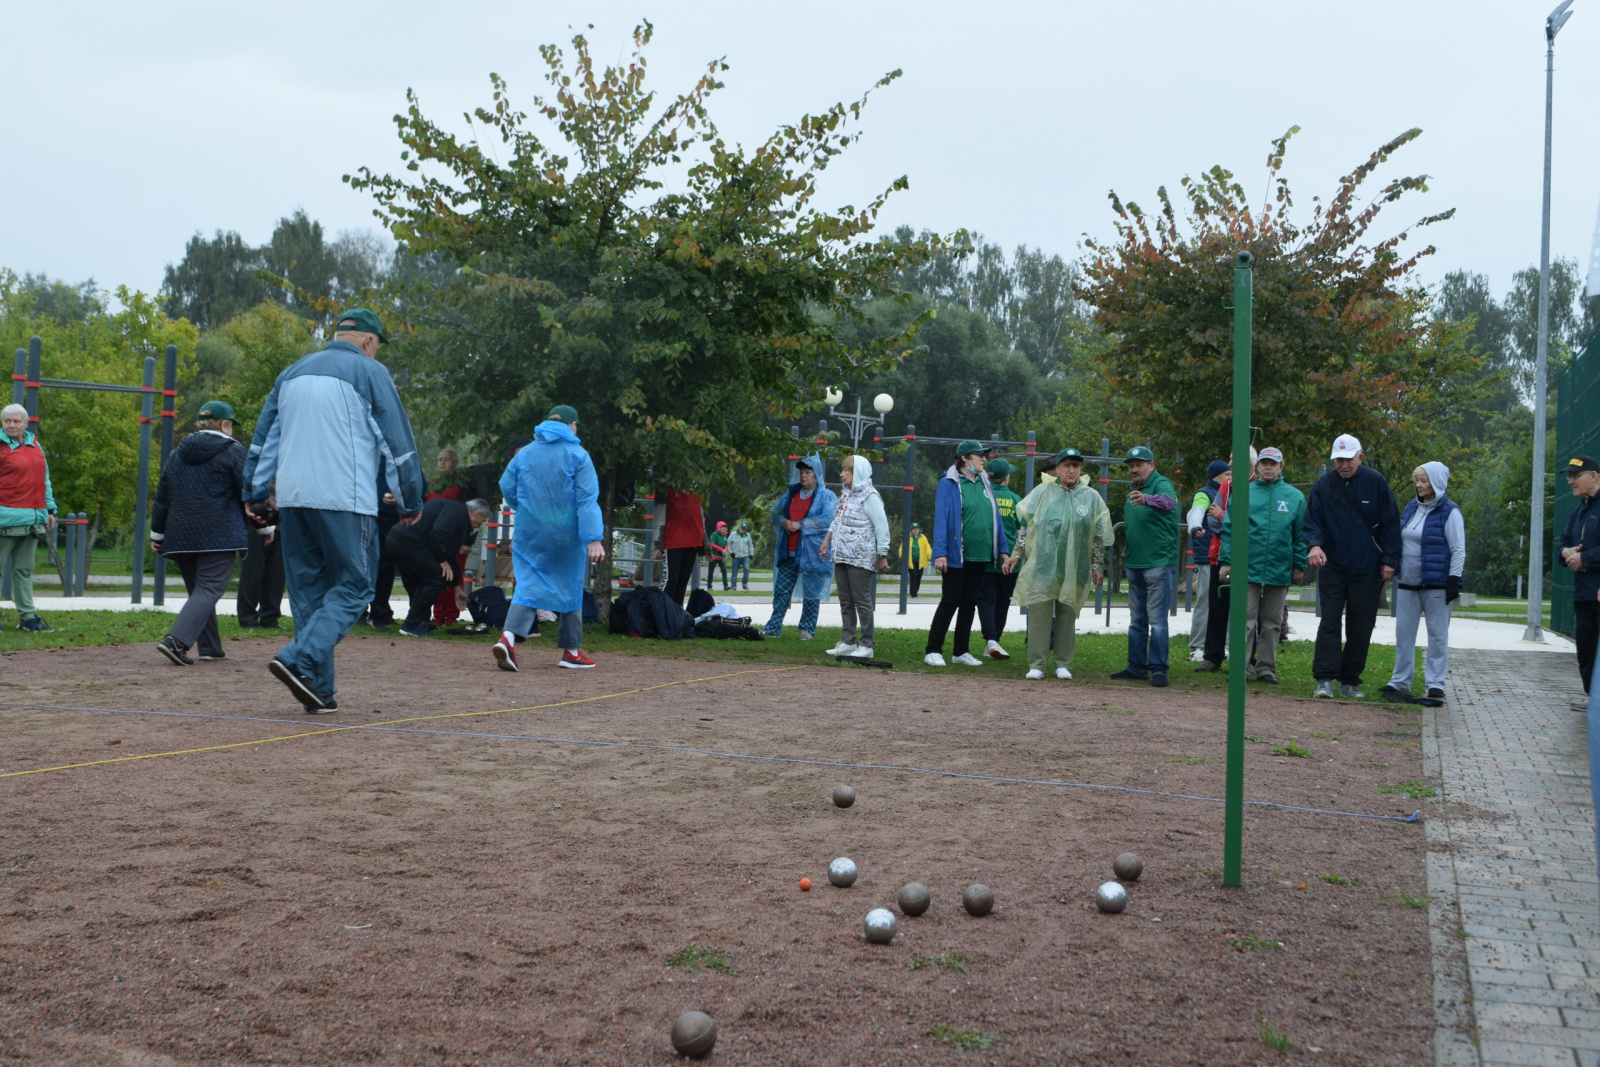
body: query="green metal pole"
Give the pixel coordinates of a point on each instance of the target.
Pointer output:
(1238, 586)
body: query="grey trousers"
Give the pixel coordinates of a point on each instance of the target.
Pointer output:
(205, 575)
(1040, 616)
(1202, 610)
(1410, 605)
(1263, 610)
(521, 620)
(858, 599)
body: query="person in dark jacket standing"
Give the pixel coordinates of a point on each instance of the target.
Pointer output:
(379, 613)
(199, 523)
(967, 536)
(332, 427)
(259, 602)
(1353, 530)
(1580, 553)
(1200, 553)
(1151, 528)
(994, 599)
(427, 554)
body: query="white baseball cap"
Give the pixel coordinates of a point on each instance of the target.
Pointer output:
(1345, 447)
(1272, 454)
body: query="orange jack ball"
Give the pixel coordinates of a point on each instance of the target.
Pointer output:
(805, 885)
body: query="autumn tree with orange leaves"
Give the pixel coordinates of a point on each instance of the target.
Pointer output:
(1343, 342)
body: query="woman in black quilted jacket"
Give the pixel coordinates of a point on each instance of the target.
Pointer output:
(198, 522)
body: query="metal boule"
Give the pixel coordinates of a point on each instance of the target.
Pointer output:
(842, 872)
(978, 899)
(880, 926)
(1111, 897)
(914, 898)
(694, 1033)
(843, 796)
(1128, 866)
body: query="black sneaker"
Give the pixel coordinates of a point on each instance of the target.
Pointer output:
(1207, 667)
(210, 657)
(1126, 675)
(417, 631)
(304, 692)
(328, 707)
(35, 625)
(1267, 679)
(1393, 695)
(1435, 693)
(1158, 680)
(178, 653)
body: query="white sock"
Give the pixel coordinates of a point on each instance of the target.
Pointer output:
(508, 637)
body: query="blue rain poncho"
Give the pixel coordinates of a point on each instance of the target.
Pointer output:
(552, 486)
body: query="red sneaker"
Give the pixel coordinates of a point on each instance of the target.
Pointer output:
(505, 655)
(576, 660)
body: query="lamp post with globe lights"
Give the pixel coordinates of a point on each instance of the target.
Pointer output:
(883, 403)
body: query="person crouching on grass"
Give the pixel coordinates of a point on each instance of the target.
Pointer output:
(859, 536)
(552, 486)
(428, 554)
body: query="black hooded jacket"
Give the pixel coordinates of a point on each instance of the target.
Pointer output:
(197, 501)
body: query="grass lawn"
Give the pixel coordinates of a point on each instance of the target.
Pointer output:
(77, 629)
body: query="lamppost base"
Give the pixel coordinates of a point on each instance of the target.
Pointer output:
(1533, 633)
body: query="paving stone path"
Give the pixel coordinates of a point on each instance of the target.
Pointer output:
(1514, 908)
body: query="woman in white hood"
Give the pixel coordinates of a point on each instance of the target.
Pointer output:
(1433, 541)
(859, 538)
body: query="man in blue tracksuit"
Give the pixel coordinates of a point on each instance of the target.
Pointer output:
(332, 428)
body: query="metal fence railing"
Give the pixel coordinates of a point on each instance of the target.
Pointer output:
(1577, 432)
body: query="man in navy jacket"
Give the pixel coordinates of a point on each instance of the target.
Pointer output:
(1580, 553)
(1353, 530)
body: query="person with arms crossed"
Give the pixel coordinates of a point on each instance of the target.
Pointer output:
(1580, 553)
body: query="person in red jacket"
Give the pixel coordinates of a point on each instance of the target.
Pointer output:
(27, 509)
(1216, 646)
(451, 483)
(683, 538)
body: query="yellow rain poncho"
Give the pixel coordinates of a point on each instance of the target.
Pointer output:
(1068, 532)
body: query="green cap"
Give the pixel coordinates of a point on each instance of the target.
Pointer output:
(1141, 452)
(1069, 453)
(969, 446)
(1000, 468)
(217, 409)
(363, 320)
(565, 413)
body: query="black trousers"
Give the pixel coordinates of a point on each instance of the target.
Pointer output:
(420, 573)
(711, 568)
(994, 604)
(962, 588)
(1218, 601)
(260, 600)
(1585, 634)
(1352, 602)
(681, 563)
(379, 610)
(915, 575)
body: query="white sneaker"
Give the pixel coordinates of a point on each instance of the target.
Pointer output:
(967, 659)
(1197, 655)
(1034, 676)
(933, 659)
(993, 650)
(861, 652)
(841, 649)
(1063, 674)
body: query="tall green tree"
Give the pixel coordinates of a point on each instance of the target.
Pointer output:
(1341, 342)
(685, 323)
(215, 280)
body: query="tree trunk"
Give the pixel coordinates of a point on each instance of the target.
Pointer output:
(601, 587)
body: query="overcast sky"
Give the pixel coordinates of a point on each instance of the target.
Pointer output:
(126, 128)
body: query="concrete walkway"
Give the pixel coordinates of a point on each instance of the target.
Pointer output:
(1514, 907)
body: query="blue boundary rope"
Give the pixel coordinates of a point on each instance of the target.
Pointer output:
(1415, 816)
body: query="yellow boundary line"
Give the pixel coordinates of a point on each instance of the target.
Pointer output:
(394, 722)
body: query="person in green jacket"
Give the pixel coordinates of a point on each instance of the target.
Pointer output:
(1150, 528)
(994, 602)
(1277, 559)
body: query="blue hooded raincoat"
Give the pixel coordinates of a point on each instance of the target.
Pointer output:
(813, 528)
(552, 486)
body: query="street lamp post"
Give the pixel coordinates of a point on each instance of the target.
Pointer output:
(1535, 632)
(883, 403)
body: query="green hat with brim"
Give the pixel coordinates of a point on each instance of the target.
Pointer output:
(217, 409)
(1140, 452)
(1000, 468)
(362, 320)
(564, 412)
(1069, 453)
(969, 446)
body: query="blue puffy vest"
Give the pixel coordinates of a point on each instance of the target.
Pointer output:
(1435, 549)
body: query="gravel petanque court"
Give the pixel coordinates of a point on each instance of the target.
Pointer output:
(427, 894)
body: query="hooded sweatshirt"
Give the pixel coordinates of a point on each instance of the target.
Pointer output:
(197, 505)
(1433, 536)
(860, 528)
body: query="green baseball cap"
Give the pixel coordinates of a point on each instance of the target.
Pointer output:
(1000, 468)
(1069, 453)
(969, 446)
(363, 320)
(1141, 452)
(217, 409)
(565, 412)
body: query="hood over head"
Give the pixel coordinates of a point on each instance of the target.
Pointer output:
(862, 466)
(814, 461)
(554, 430)
(1438, 476)
(203, 447)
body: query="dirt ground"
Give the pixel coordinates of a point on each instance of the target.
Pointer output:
(427, 897)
